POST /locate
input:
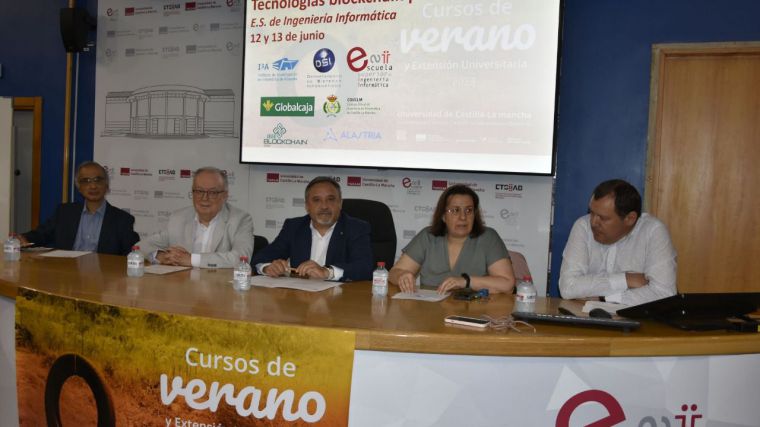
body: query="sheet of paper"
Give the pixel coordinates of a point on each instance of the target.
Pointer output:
(164, 269)
(65, 254)
(35, 249)
(422, 295)
(309, 285)
(609, 307)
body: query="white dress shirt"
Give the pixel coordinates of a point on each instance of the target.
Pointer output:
(318, 254)
(202, 241)
(591, 269)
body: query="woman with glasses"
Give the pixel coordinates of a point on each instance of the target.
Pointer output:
(456, 250)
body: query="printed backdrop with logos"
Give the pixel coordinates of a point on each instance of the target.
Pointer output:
(168, 100)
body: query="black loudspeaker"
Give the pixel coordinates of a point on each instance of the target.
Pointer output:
(75, 24)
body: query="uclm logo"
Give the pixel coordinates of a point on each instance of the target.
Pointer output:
(190, 5)
(185, 173)
(440, 184)
(614, 412)
(129, 11)
(354, 181)
(124, 172)
(273, 177)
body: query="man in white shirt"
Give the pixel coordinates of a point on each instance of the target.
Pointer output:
(616, 253)
(209, 234)
(324, 244)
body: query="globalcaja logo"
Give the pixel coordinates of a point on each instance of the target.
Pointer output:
(190, 5)
(273, 177)
(285, 64)
(129, 11)
(124, 172)
(331, 107)
(287, 106)
(440, 184)
(185, 173)
(354, 181)
(324, 60)
(358, 60)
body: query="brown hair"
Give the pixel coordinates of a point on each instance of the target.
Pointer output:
(438, 227)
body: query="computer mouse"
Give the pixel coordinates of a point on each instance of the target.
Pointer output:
(600, 312)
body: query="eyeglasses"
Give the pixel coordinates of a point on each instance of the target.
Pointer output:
(455, 211)
(98, 180)
(210, 194)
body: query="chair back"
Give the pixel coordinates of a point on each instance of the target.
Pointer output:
(380, 219)
(519, 265)
(259, 243)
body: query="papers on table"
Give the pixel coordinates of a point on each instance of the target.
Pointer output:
(35, 249)
(609, 307)
(65, 254)
(429, 295)
(164, 269)
(309, 285)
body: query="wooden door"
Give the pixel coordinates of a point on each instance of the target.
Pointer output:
(704, 162)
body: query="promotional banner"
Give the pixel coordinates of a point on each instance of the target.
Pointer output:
(430, 390)
(87, 363)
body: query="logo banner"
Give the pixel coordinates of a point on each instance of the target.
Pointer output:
(92, 362)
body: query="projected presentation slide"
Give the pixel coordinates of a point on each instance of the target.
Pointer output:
(438, 84)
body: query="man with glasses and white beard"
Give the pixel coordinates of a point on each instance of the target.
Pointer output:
(94, 225)
(210, 234)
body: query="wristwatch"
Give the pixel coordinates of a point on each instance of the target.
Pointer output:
(467, 280)
(330, 272)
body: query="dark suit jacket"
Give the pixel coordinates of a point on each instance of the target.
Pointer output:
(349, 247)
(117, 234)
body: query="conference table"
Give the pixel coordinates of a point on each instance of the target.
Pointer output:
(409, 368)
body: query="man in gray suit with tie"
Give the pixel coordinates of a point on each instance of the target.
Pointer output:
(210, 234)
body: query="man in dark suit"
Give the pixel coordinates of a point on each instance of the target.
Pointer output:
(325, 244)
(94, 225)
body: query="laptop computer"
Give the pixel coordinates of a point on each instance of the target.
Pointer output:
(701, 311)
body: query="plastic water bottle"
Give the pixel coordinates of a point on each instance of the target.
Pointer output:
(525, 298)
(241, 278)
(12, 248)
(135, 263)
(380, 280)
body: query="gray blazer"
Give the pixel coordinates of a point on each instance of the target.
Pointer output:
(232, 238)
